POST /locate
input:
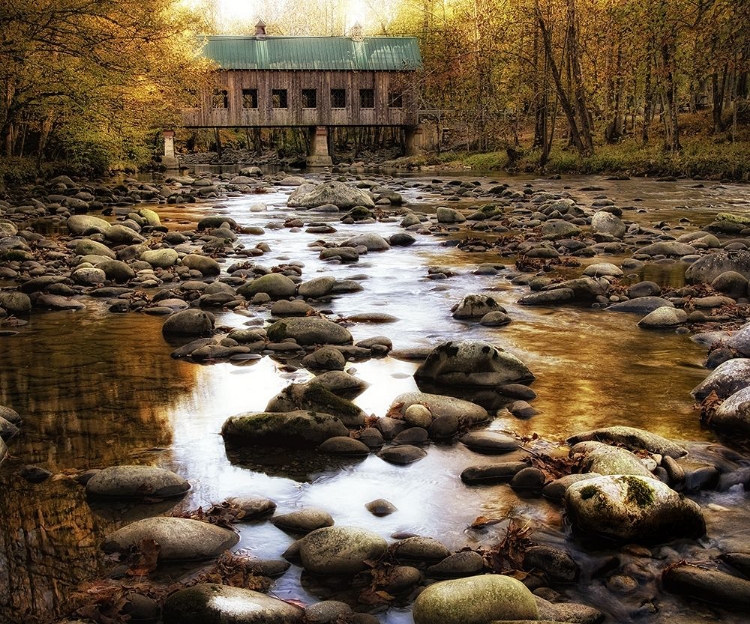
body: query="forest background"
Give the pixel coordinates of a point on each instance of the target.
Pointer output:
(637, 87)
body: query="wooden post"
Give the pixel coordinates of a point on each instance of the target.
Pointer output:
(413, 140)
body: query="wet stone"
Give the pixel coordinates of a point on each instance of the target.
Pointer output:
(413, 435)
(179, 539)
(344, 445)
(402, 455)
(417, 548)
(460, 564)
(489, 442)
(303, 521)
(528, 480)
(340, 550)
(136, 482)
(381, 507)
(491, 474)
(557, 565)
(254, 506)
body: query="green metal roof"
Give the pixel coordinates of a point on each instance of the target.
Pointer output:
(316, 53)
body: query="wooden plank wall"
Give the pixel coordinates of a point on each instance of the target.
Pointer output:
(294, 81)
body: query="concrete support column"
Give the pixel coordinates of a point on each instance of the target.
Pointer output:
(319, 155)
(169, 160)
(413, 140)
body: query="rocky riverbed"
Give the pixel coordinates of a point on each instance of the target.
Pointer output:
(350, 397)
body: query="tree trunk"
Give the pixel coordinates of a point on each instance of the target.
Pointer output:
(578, 86)
(648, 98)
(561, 94)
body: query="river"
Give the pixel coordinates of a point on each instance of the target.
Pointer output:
(97, 389)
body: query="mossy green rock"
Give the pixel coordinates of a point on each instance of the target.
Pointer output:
(340, 550)
(475, 600)
(631, 438)
(314, 397)
(309, 331)
(609, 460)
(88, 247)
(208, 603)
(204, 264)
(630, 508)
(84, 224)
(298, 428)
(160, 258)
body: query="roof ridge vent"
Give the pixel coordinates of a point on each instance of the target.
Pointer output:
(260, 29)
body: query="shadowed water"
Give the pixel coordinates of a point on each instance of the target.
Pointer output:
(97, 389)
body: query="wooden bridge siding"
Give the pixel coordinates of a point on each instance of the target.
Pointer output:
(294, 81)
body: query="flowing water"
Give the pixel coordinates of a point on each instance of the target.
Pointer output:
(98, 389)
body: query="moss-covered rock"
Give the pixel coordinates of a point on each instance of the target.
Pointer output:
(294, 429)
(315, 397)
(475, 600)
(340, 550)
(632, 508)
(309, 331)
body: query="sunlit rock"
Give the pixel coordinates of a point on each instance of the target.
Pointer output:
(606, 223)
(336, 193)
(609, 460)
(475, 600)
(632, 508)
(303, 521)
(707, 268)
(136, 482)
(472, 363)
(663, 318)
(734, 413)
(217, 604)
(631, 438)
(85, 224)
(178, 538)
(340, 550)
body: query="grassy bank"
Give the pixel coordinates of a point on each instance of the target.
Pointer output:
(699, 158)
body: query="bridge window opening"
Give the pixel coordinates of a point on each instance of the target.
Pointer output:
(249, 98)
(338, 98)
(309, 98)
(395, 99)
(278, 98)
(367, 98)
(220, 99)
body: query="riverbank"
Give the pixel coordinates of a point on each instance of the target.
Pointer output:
(700, 158)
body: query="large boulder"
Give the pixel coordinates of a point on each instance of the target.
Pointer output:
(734, 413)
(369, 240)
(606, 223)
(84, 224)
(475, 600)
(631, 438)
(707, 268)
(309, 331)
(336, 193)
(629, 508)
(663, 318)
(340, 550)
(609, 460)
(206, 265)
(475, 307)
(725, 379)
(179, 539)
(190, 322)
(275, 285)
(739, 342)
(472, 363)
(15, 302)
(299, 428)
(222, 604)
(136, 482)
(314, 397)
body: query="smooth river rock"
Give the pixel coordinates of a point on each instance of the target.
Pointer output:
(333, 192)
(179, 539)
(192, 322)
(707, 585)
(441, 407)
(472, 363)
(221, 604)
(609, 460)
(340, 550)
(734, 413)
(136, 482)
(475, 600)
(309, 331)
(631, 508)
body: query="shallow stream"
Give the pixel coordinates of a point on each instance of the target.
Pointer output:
(97, 389)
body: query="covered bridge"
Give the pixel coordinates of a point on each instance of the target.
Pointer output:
(311, 82)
